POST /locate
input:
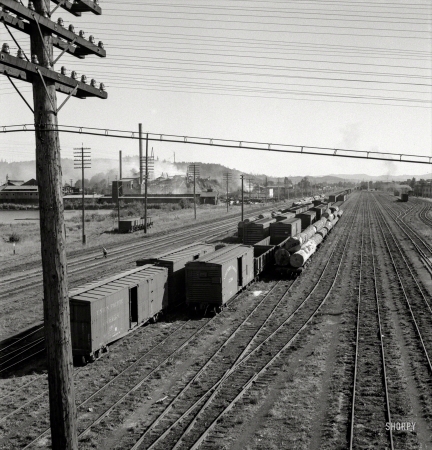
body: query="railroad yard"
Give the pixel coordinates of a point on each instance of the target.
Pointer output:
(339, 357)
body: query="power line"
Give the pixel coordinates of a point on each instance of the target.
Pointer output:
(254, 30)
(260, 17)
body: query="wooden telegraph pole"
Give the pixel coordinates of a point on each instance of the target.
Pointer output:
(38, 69)
(227, 177)
(195, 170)
(82, 161)
(242, 197)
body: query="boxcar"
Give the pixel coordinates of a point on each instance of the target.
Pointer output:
(307, 218)
(320, 210)
(241, 225)
(254, 232)
(283, 216)
(214, 279)
(104, 311)
(285, 228)
(175, 261)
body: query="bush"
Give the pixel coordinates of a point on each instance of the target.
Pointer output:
(14, 237)
(185, 203)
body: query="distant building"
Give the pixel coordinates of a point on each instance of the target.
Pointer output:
(423, 190)
(209, 198)
(126, 187)
(277, 191)
(67, 189)
(15, 191)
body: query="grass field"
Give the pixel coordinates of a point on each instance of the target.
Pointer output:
(100, 228)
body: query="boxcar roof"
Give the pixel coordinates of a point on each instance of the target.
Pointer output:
(97, 289)
(184, 252)
(224, 254)
(289, 220)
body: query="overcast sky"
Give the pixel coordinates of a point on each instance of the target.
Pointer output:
(341, 74)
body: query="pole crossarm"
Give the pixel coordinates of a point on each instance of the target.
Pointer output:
(232, 144)
(85, 47)
(76, 8)
(20, 25)
(63, 83)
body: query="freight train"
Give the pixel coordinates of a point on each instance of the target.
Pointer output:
(201, 276)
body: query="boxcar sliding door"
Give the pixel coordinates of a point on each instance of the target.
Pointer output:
(133, 306)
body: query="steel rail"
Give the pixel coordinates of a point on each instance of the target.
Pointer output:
(398, 218)
(381, 334)
(403, 287)
(104, 386)
(171, 405)
(251, 381)
(184, 344)
(178, 236)
(245, 358)
(357, 346)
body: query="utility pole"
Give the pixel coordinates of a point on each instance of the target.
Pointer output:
(82, 161)
(118, 202)
(146, 184)
(194, 169)
(227, 178)
(120, 164)
(242, 198)
(39, 71)
(146, 166)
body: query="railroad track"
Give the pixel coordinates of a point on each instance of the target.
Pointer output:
(370, 406)
(228, 374)
(125, 254)
(262, 341)
(424, 215)
(424, 249)
(416, 299)
(162, 350)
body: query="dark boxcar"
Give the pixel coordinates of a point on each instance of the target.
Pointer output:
(285, 228)
(307, 218)
(214, 279)
(263, 257)
(104, 311)
(284, 216)
(175, 261)
(404, 197)
(254, 232)
(320, 210)
(241, 226)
